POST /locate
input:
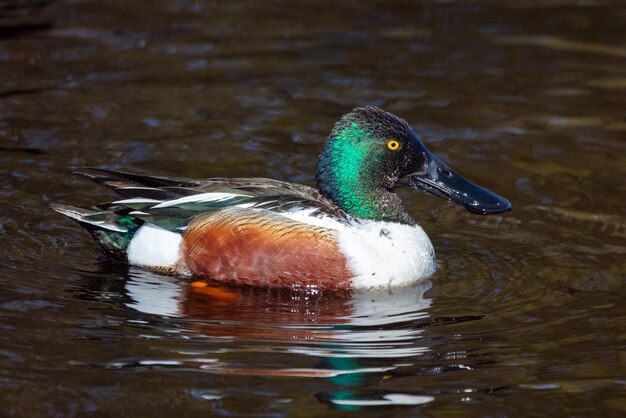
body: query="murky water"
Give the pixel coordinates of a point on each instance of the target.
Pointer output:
(526, 314)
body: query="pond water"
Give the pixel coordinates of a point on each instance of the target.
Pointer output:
(526, 313)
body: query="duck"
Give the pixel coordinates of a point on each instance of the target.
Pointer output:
(351, 232)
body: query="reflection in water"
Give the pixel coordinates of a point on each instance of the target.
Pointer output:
(356, 339)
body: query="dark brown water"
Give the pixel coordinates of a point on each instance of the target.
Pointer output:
(526, 314)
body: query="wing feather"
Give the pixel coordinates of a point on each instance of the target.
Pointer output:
(171, 202)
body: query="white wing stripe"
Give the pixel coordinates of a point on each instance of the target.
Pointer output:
(199, 198)
(135, 200)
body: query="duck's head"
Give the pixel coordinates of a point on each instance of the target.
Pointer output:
(371, 152)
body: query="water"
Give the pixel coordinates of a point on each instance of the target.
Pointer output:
(526, 313)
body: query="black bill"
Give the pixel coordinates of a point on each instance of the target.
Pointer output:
(440, 180)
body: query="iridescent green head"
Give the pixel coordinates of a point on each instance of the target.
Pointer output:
(370, 152)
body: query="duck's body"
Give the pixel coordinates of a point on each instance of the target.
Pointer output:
(351, 233)
(251, 231)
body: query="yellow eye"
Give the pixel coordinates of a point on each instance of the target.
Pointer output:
(393, 145)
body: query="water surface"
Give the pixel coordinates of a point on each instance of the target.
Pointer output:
(526, 313)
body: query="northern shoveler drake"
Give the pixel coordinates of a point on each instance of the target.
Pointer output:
(351, 232)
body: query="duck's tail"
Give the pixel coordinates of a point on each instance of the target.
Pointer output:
(111, 229)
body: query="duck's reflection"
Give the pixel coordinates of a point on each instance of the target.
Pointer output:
(357, 322)
(357, 342)
(358, 338)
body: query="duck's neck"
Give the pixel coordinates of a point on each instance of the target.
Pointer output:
(347, 174)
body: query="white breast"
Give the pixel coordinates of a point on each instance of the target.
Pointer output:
(384, 254)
